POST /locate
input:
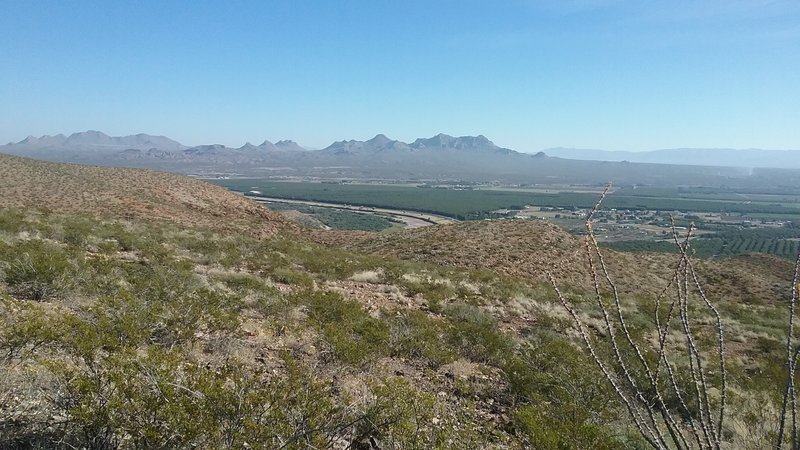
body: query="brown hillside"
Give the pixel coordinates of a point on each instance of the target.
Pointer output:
(525, 249)
(131, 193)
(517, 248)
(529, 249)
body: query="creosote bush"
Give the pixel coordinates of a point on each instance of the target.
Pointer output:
(159, 399)
(37, 270)
(12, 220)
(402, 417)
(353, 335)
(563, 404)
(415, 335)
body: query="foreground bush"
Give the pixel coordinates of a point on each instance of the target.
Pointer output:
(37, 270)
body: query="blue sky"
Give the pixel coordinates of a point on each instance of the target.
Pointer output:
(617, 75)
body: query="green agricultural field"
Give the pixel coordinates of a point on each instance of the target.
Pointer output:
(479, 204)
(781, 242)
(472, 204)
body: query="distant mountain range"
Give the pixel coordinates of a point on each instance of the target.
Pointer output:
(787, 159)
(95, 141)
(441, 157)
(144, 150)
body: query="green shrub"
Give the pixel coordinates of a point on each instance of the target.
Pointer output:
(122, 238)
(474, 335)
(202, 310)
(12, 220)
(292, 277)
(270, 302)
(164, 305)
(265, 260)
(103, 276)
(435, 293)
(553, 371)
(414, 335)
(77, 231)
(37, 270)
(542, 431)
(159, 282)
(563, 403)
(153, 249)
(403, 417)
(353, 335)
(243, 283)
(24, 327)
(161, 399)
(331, 263)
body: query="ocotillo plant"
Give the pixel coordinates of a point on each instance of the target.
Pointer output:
(644, 383)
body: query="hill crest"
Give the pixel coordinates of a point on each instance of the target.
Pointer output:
(132, 193)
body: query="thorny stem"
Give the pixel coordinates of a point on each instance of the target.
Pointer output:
(791, 365)
(696, 370)
(684, 270)
(641, 427)
(672, 426)
(721, 348)
(684, 266)
(591, 244)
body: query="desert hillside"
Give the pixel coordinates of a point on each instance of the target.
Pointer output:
(146, 310)
(531, 249)
(130, 193)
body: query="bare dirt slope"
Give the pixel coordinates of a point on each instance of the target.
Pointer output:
(131, 193)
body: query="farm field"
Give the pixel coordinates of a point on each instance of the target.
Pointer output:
(781, 242)
(470, 204)
(728, 223)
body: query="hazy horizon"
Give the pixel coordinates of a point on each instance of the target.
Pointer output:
(530, 75)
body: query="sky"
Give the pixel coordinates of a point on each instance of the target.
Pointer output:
(530, 75)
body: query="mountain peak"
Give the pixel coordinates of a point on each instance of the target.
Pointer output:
(89, 138)
(463, 142)
(89, 134)
(43, 141)
(379, 139)
(289, 145)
